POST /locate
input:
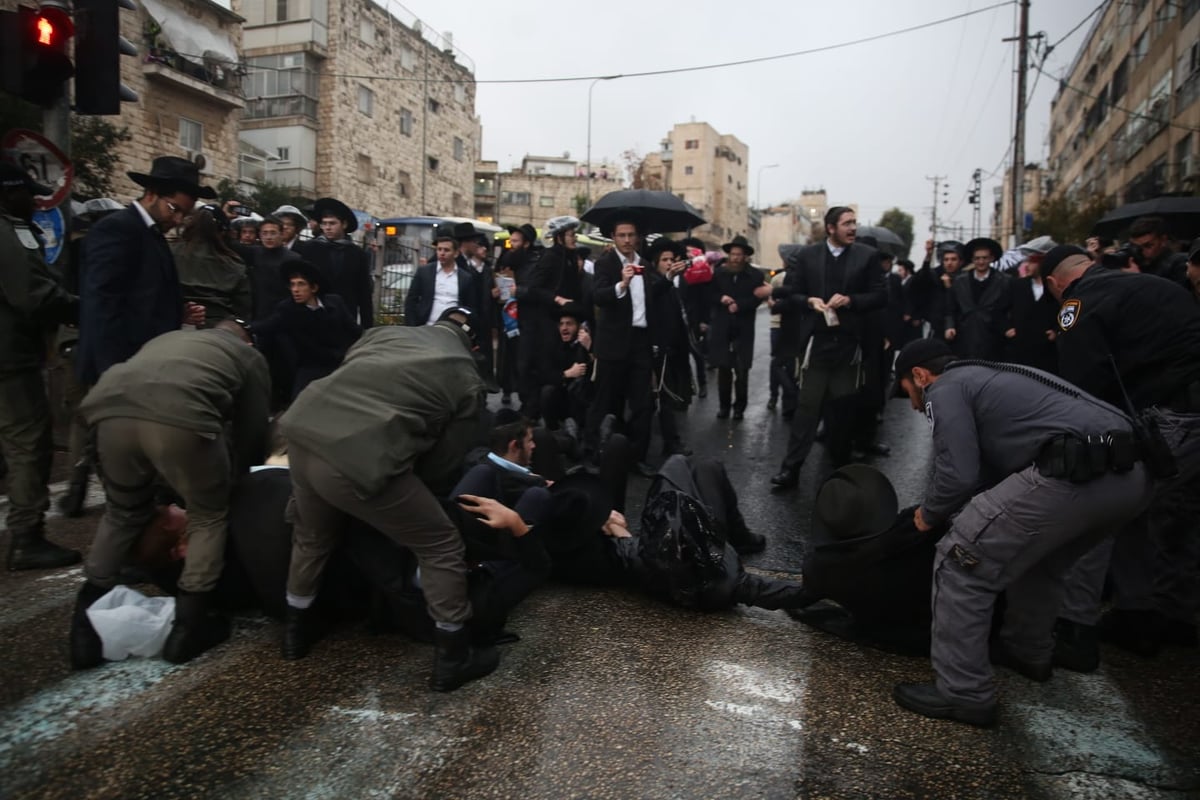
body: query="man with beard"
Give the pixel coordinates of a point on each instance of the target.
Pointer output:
(833, 286)
(345, 266)
(291, 222)
(737, 290)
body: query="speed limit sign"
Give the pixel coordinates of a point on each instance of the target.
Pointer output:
(38, 156)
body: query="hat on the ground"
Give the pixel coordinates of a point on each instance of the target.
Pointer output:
(12, 176)
(173, 174)
(983, 243)
(917, 353)
(332, 207)
(854, 502)
(464, 231)
(1058, 255)
(580, 501)
(739, 241)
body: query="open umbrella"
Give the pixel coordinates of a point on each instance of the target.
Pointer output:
(658, 212)
(1182, 215)
(885, 239)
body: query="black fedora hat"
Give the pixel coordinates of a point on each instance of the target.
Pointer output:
(571, 309)
(464, 231)
(173, 174)
(739, 241)
(983, 243)
(663, 244)
(579, 501)
(298, 267)
(332, 207)
(855, 502)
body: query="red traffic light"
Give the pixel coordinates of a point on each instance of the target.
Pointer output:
(52, 27)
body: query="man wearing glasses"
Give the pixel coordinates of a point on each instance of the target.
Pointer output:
(291, 223)
(978, 304)
(129, 288)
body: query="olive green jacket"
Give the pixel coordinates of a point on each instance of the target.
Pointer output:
(31, 301)
(403, 398)
(216, 281)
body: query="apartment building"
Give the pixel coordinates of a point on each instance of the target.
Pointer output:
(541, 188)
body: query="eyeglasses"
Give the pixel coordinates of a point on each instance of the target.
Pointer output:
(174, 209)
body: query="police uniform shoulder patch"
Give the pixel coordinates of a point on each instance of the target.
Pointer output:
(26, 237)
(1069, 314)
(929, 413)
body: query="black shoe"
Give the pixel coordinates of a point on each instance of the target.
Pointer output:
(31, 550)
(702, 392)
(786, 478)
(87, 650)
(456, 661)
(925, 699)
(643, 469)
(297, 634)
(723, 413)
(1138, 631)
(1001, 656)
(772, 404)
(71, 503)
(749, 542)
(198, 627)
(1076, 646)
(739, 414)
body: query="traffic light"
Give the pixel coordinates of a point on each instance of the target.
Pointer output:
(98, 50)
(36, 62)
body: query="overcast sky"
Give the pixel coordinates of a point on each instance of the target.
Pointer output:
(866, 122)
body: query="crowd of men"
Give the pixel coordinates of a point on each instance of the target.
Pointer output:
(1063, 396)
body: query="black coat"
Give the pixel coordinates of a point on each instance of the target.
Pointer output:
(613, 336)
(129, 292)
(731, 335)
(1031, 318)
(346, 269)
(418, 304)
(670, 340)
(555, 274)
(979, 324)
(268, 279)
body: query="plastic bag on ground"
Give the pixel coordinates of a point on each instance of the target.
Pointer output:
(131, 624)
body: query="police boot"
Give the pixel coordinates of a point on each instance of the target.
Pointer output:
(198, 627)
(456, 661)
(297, 633)
(87, 650)
(30, 550)
(1076, 646)
(71, 503)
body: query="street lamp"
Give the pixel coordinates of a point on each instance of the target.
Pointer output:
(589, 135)
(758, 192)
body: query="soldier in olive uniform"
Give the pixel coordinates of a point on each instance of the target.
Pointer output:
(31, 302)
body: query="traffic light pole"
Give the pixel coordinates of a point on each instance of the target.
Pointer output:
(56, 123)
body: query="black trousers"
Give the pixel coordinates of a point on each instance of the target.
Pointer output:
(626, 382)
(818, 384)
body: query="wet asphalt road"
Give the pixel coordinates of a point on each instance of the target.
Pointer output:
(607, 695)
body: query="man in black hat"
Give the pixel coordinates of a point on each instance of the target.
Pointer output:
(979, 304)
(345, 266)
(566, 384)
(473, 257)
(736, 292)
(130, 290)
(31, 303)
(931, 284)
(1057, 479)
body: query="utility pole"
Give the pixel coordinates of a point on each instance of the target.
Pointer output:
(1018, 168)
(975, 198)
(937, 186)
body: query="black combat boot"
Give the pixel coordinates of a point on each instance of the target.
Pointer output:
(87, 650)
(1076, 646)
(456, 661)
(297, 633)
(71, 503)
(199, 626)
(30, 550)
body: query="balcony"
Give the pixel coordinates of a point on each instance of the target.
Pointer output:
(274, 107)
(211, 82)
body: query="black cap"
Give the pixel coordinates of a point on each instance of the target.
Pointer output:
(12, 176)
(1058, 255)
(915, 354)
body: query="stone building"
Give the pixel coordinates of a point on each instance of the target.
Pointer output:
(707, 169)
(1035, 186)
(543, 187)
(348, 99)
(1124, 119)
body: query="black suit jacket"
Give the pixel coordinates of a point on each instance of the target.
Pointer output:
(979, 326)
(860, 278)
(346, 269)
(418, 304)
(129, 292)
(1031, 318)
(614, 315)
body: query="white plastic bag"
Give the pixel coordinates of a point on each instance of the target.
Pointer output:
(131, 624)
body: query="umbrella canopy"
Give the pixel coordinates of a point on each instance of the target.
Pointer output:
(885, 239)
(658, 212)
(1182, 215)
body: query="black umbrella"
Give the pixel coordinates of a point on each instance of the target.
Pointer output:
(657, 212)
(1182, 215)
(885, 239)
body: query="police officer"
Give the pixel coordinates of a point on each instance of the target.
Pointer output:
(31, 302)
(1060, 470)
(190, 408)
(1128, 333)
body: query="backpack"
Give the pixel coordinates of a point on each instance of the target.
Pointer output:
(680, 546)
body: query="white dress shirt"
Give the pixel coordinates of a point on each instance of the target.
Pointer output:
(837, 251)
(146, 218)
(445, 292)
(637, 291)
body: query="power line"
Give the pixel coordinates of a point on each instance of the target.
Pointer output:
(1072, 31)
(653, 72)
(1168, 123)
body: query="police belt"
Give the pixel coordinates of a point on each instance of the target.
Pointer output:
(1079, 460)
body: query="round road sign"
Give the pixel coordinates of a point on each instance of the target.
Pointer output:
(38, 156)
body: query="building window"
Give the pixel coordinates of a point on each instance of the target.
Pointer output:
(191, 135)
(514, 198)
(546, 201)
(460, 93)
(688, 170)
(434, 106)
(1140, 48)
(432, 162)
(691, 144)
(456, 202)
(366, 170)
(408, 58)
(460, 149)
(406, 122)
(366, 31)
(366, 101)
(404, 187)
(729, 179)
(283, 154)
(281, 11)
(281, 85)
